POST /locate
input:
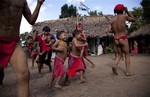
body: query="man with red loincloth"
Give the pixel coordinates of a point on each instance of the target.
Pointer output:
(11, 12)
(120, 37)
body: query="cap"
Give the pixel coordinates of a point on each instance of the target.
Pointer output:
(119, 7)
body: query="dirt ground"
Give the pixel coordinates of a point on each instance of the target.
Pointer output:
(100, 80)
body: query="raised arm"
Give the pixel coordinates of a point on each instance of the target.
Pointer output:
(130, 18)
(31, 18)
(57, 47)
(51, 42)
(78, 45)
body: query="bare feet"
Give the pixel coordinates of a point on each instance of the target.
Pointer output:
(66, 84)
(82, 81)
(129, 74)
(114, 70)
(58, 87)
(40, 75)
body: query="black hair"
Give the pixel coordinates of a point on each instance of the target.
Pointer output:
(59, 33)
(118, 11)
(34, 30)
(76, 32)
(46, 29)
(29, 37)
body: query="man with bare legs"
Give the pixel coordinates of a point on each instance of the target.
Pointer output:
(11, 12)
(120, 37)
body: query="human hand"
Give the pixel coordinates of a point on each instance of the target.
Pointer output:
(86, 44)
(35, 33)
(126, 9)
(92, 66)
(41, 1)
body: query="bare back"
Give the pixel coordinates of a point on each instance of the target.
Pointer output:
(118, 25)
(10, 17)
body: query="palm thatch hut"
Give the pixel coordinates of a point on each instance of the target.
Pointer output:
(142, 36)
(95, 27)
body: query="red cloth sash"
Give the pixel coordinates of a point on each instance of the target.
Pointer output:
(59, 69)
(77, 65)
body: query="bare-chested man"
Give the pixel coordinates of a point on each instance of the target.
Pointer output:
(120, 37)
(11, 12)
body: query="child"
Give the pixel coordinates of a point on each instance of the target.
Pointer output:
(135, 50)
(84, 51)
(75, 63)
(61, 47)
(30, 44)
(49, 42)
(35, 53)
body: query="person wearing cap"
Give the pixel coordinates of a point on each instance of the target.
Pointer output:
(120, 38)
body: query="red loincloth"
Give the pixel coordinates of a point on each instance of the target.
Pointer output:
(7, 47)
(75, 64)
(121, 37)
(59, 69)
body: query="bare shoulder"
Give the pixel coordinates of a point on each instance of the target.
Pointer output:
(130, 19)
(113, 19)
(13, 2)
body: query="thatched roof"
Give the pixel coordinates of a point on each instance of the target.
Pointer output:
(93, 25)
(145, 30)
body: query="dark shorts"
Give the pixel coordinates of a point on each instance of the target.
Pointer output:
(42, 57)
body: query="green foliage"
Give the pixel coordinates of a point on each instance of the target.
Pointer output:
(91, 13)
(23, 38)
(146, 10)
(68, 11)
(110, 48)
(137, 13)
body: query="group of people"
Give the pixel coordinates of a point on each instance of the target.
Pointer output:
(43, 44)
(12, 52)
(40, 48)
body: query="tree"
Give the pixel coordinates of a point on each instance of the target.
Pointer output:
(137, 13)
(72, 11)
(23, 37)
(83, 7)
(146, 10)
(68, 11)
(91, 13)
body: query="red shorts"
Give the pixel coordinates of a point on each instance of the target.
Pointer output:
(7, 47)
(59, 69)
